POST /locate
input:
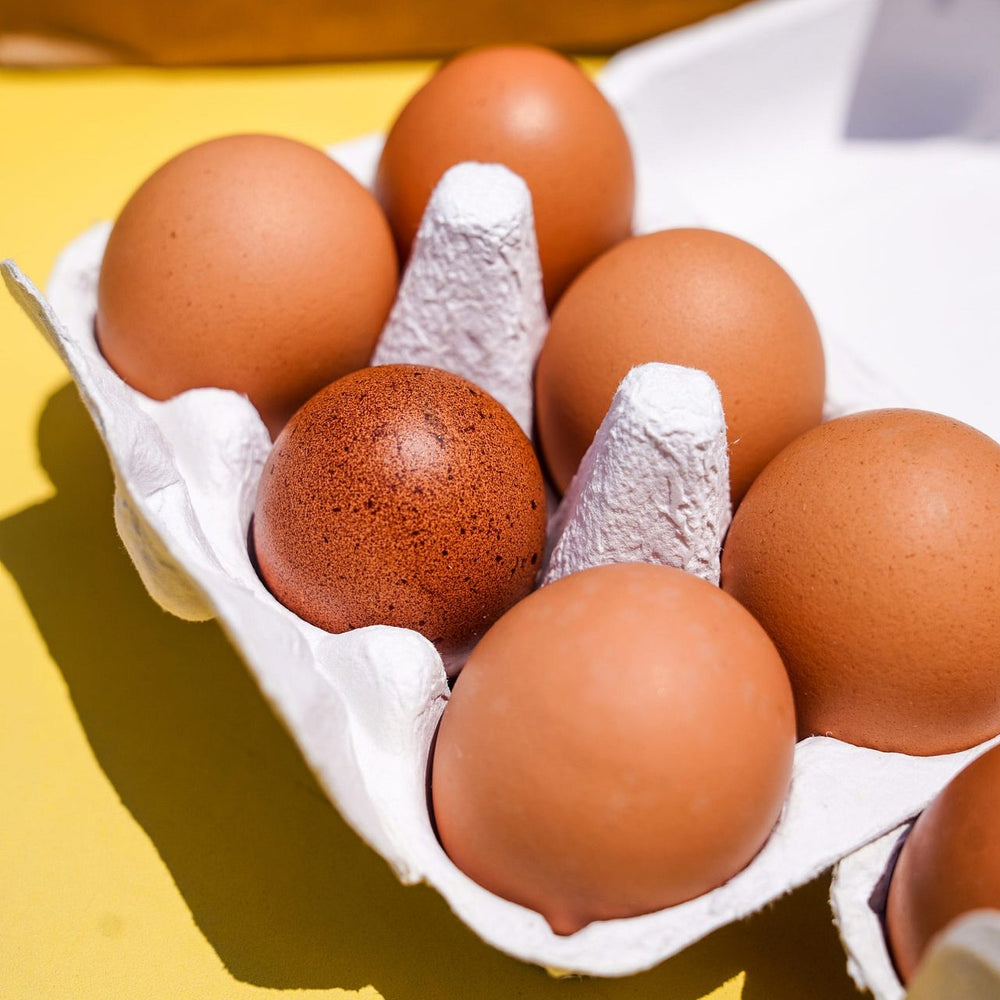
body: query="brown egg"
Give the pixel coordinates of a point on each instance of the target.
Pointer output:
(252, 263)
(538, 114)
(401, 495)
(949, 864)
(618, 742)
(689, 297)
(869, 550)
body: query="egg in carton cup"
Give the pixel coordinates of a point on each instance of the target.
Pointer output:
(363, 706)
(943, 912)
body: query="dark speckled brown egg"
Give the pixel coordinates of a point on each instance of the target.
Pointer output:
(401, 495)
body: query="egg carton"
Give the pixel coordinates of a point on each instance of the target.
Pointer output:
(962, 963)
(363, 706)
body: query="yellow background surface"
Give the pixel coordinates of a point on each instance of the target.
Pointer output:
(160, 835)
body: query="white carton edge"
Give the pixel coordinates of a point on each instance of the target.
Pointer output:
(857, 898)
(963, 963)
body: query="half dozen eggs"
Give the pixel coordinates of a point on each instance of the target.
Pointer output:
(621, 730)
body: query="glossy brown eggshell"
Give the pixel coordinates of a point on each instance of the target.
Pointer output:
(618, 742)
(249, 262)
(869, 550)
(401, 495)
(535, 112)
(691, 297)
(949, 864)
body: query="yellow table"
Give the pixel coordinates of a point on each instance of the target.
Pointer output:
(160, 835)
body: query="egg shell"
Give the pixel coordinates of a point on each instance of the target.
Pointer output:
(869, 550)
(949, 864)
(618, 742)
(691, 297)
(535, 112)
(249, 262)
(401, 495)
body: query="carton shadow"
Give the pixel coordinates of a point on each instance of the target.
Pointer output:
(285, 892)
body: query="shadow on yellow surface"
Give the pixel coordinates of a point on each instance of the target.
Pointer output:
(285, 892)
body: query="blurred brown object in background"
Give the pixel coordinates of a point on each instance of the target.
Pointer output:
(196, 32)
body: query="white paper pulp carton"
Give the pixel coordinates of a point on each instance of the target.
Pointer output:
(738, 124)
(963, 963)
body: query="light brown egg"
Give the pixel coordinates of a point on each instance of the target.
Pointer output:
(691, 297)
(618, 742)
(401, 495)
(949, 864)
(869, 550)
(252, 263)
(535, 112)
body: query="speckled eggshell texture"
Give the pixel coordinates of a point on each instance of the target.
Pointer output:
(618, 742)
(249, 262)
(869, 550)
(950, 863)
(401, 495)
(535, 112)
(691, 297)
